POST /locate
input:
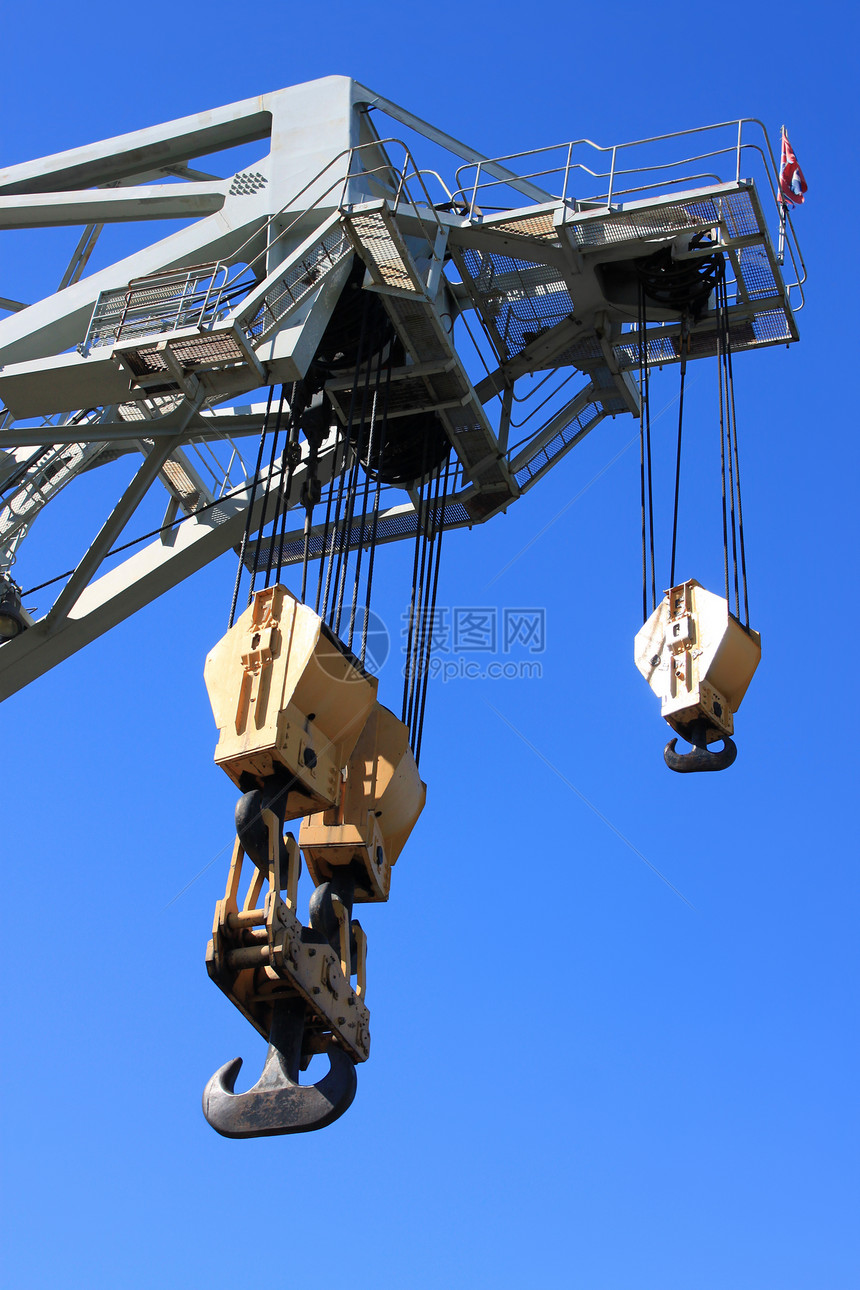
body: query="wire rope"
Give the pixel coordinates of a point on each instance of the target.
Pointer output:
(247, 532)
(734, 424)
(432, 620)
(722, 445)
(678, 457)
(376, 501)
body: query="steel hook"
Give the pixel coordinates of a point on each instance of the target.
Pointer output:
(278, 1103)
(701, 757)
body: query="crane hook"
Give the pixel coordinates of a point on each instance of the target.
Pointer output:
(278, 1103)
(701, 757)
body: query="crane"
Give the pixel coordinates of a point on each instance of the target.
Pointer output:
(401, 320)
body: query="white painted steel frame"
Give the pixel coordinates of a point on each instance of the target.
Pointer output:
(312, 130)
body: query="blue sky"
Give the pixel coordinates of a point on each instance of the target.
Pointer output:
(579, 1077)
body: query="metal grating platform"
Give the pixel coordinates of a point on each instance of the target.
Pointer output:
(520, 299)
(517, 299)
(399, 522)
(540, 225)
(474, 440)
(378, 241)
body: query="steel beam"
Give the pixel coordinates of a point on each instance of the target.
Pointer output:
(111, 205)
(110, 530)
(367, 98)
(156, 147)
(203, 430)
(143, 578)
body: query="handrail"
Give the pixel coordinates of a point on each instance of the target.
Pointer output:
(200, 299)
(469, 180)
(343, 180)
(210, 303)
(617, 147)
(258, 296)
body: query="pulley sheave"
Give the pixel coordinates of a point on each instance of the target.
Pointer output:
(414, 446)
(675, 280)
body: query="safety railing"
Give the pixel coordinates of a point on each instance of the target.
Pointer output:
(588, 175)
(254, 294)
(225, 475)
(286, 286)
(159, 302)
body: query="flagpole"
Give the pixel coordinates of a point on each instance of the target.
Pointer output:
(780, 258)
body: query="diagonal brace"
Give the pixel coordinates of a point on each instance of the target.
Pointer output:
(115, 523)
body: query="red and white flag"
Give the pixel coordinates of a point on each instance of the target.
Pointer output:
(792, 185)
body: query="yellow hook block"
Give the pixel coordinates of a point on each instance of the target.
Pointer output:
(697, 658)
(285, 692)
(381, 797)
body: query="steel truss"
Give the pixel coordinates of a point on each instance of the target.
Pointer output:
(150, 355)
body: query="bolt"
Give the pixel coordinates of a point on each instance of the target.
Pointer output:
(311, 953)
(316, 989)
(341, 1021)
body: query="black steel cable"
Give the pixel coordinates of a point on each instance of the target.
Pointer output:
(244, 544)
(407, 676)
(336, 534)
(678, 460)
(306, 547)
(722, 444)
(732, 519)
(353, 488)
(366, 494)
(346, 537)
(738, 480)
(292, 456)
(642, 356)
(427, 547)
(650, 485)
(339, 447)
(279, 489)
(646, 469)
(426, 565)
(341, 537)
(441, 527)
(383, 439)
(255, 563)
(415, 661)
